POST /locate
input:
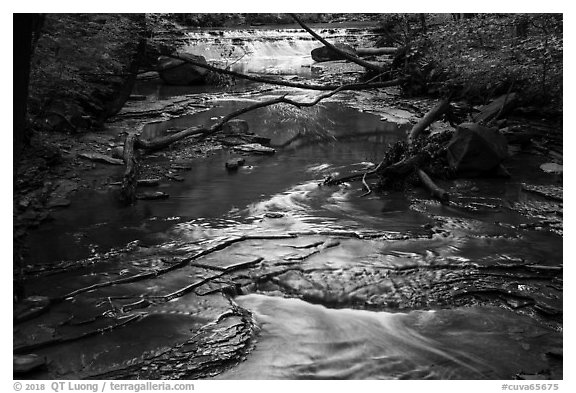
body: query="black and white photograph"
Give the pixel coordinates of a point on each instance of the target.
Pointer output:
(219, 196)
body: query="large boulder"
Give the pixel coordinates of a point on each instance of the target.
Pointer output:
(325, 54)
(235, 126)
(179, 72)
(476, 150)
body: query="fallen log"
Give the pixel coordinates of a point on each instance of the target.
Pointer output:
(348, 56)
(437, 192)
(496, 108)
(376, 51)
(166, 140)
(428, 119)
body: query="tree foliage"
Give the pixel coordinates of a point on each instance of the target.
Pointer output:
(79, 63)
(481, 56)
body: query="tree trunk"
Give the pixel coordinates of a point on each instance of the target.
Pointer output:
(24, 26)
(430, 117)
(128, 191)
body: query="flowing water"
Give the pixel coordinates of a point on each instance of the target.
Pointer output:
(391, 286)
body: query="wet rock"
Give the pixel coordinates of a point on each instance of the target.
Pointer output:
(30, 307)
(235, 126)
(152, 182)
(118, 152)
(233, 164)
(551, 167)
(325, 54)
(178, 72)
(62, 190)
(98, 157)
(175, 177)
(152, 195)
(255, 148)
(476, 150)
(23, 364)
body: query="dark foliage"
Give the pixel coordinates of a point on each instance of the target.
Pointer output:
(80, 62)
(480, 56)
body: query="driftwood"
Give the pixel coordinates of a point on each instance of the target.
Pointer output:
(436, 191)
(428, 119)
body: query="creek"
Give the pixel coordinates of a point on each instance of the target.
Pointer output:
(391, 286)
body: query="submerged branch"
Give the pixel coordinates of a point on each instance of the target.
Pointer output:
(437, 192)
